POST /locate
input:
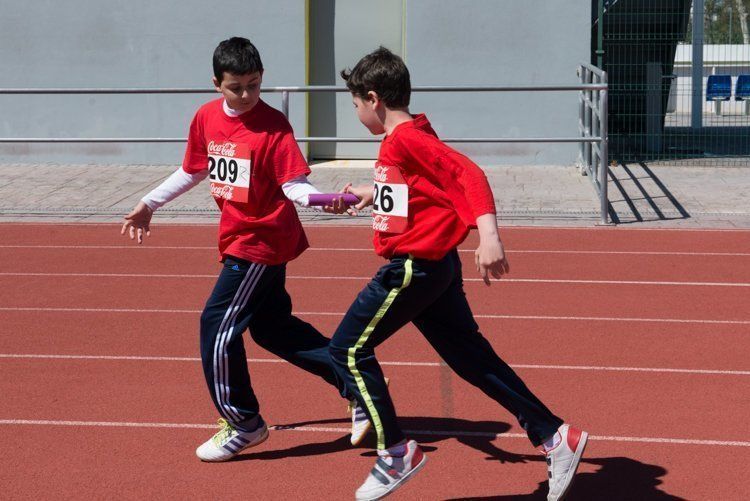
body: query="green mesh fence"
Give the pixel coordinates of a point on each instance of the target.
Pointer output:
(646, 48)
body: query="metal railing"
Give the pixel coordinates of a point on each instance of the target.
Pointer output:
(584, 87)
(592, 123)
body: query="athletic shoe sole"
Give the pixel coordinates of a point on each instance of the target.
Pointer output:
(576, 460)
(361, 439)
(355, 443)
(400, 482)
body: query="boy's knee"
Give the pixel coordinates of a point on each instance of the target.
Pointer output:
(343, 355)
(208, 323)
(338, 353)
(205, 318)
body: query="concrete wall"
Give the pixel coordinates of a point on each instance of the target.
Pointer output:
(140, 43)
(351, 29)
(500, 42)
(89, 43)
(466, 42)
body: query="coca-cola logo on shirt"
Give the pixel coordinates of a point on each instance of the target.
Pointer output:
(380, 223)
(223, 149)
(381, 173)
(222, 191)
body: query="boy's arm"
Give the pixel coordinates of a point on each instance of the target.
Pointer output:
(472, 181)
(138, 221)
(194, 170)
(490, 255)
(299, 189)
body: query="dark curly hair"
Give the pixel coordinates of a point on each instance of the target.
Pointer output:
(383, 72)
(237, 56)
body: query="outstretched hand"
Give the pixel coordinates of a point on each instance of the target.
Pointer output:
(138, 222)
(363, 192)
(338, 207)
(490, 255)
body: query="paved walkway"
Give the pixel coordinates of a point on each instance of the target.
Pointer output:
(640, 196)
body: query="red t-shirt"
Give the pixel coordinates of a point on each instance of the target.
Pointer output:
(249, 157)
(428, 195)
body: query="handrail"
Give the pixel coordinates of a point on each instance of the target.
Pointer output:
(301, 88)
(300, 139)
(593, 81)
(592, 122)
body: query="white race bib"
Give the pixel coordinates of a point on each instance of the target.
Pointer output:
(390, 206)
(229, 170)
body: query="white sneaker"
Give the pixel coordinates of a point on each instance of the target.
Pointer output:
(563, 459)
(228, 442)
(391, 472)
(360, 421)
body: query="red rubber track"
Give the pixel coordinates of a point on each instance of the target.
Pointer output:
(663, 391)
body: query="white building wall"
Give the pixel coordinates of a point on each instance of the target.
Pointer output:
(139, 43)
(108, 43)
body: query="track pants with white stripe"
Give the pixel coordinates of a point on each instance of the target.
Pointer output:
(430, 294)
(253, 296)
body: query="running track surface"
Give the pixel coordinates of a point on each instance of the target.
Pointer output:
(639, 336)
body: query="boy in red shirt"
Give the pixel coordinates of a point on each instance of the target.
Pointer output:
(426, 198)
(248, 152)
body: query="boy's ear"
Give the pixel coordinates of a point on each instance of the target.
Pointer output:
(373, 97)
(216, 83)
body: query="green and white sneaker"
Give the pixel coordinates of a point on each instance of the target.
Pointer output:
(229, 441)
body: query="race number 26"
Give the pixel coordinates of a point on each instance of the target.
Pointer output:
(383, 201)
(391, 199)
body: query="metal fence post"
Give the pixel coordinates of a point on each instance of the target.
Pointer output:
(596, 123)
(600, 36)
(696, 107)
(285, 103)
(581, 111)
(603, 152)
(588, 94)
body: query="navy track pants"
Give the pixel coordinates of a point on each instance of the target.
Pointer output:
(430, 294)
(253, 296)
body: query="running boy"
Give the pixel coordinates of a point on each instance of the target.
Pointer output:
(247, 150)
(426, 198)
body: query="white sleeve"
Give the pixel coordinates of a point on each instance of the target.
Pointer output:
(172, 187)
(298, 190)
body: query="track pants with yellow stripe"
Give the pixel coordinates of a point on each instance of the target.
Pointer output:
(430, 294)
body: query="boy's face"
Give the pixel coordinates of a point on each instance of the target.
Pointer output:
(242, 92)
(367, 112)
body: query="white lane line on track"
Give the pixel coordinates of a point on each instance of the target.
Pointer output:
(342, 430)
(398, 364)
(317, 225)
(366, 278)
(341, 314)
(361, 249)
